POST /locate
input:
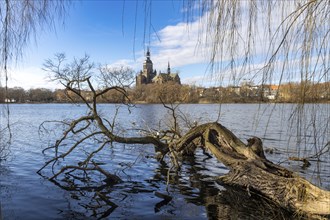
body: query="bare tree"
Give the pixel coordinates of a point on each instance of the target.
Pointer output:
(250, 39)
(298, 44)
(249, 169)
(76, 77)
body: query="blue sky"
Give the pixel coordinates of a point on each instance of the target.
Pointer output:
(113, 32)
(118, 33)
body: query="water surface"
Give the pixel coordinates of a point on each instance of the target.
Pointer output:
(27, 195)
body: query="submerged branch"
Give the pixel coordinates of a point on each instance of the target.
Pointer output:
(250, 170)
(63, 155)
(109, 177)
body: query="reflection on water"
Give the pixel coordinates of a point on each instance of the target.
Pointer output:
(193, 192)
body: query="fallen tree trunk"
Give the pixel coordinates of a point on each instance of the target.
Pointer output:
(250, 170)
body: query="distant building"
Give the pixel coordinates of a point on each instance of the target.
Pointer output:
(270, 91)
(235, 89)
(149, 75)
(7, 100)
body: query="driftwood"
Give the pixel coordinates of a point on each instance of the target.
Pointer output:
(250, 170)
(306, 163)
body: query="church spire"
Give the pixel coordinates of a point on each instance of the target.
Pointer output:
(148, 54)
(147, 60)
(168, 68)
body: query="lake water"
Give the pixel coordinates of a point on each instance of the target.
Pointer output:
(27, 195)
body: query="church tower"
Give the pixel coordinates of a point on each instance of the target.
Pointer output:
(148, 68)
(149, 75)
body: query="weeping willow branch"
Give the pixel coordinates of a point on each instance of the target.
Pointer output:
(19, 21)
(264, 37)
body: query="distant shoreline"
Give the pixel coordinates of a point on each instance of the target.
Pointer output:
(152, 103)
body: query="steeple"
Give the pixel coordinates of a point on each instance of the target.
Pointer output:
(148, 54)
(147, 68)
(147, 60)
(149, 75)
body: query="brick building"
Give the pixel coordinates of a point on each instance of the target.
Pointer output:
(148, 75)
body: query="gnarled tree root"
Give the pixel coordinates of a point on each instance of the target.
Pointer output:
(250, 170)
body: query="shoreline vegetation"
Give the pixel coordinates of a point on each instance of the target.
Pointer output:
(160, 103)
(304, 92)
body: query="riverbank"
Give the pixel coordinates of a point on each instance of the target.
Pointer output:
(199, 102)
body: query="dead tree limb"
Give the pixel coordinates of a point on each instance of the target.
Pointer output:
(250, 170)
(76, 78)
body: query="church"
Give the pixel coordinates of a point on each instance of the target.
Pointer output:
(148, 75)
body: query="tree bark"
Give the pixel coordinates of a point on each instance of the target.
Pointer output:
(250, 170)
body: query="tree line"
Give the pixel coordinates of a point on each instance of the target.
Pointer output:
(175, 93)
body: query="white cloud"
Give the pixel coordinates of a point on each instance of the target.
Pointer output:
(177, 44)
(199, 80)
(124, 62)
(30, 77)
(184, 44)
